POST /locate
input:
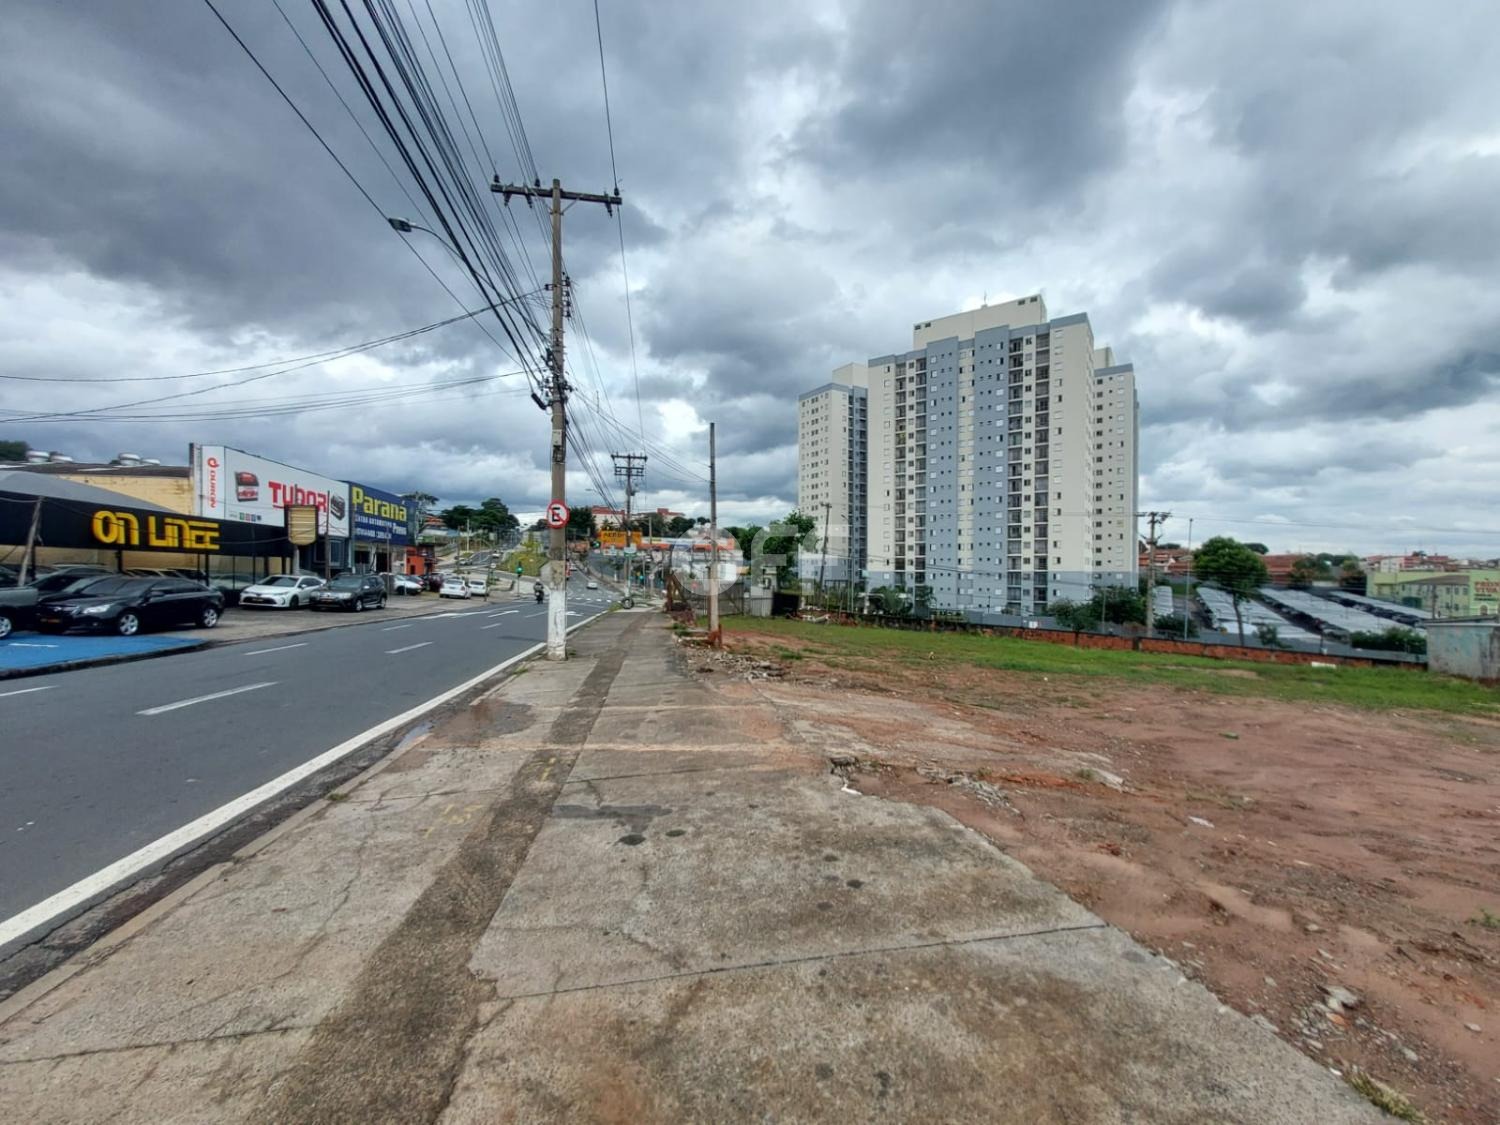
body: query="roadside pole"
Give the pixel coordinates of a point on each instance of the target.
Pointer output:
(823, 560)
(29, 555)
(714, 637)
(557, 390)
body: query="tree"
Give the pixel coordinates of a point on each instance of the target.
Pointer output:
(1171, 625)
(1394, 639)
(745, 537)
(1077, 616)
(889, 601)
(1268, 635)
(1233, 567)
(678, 526)
(458, 517)
(581, 522)
(788, 546)
(1352, 576)
(1119, 605)
(1258, 548)
(1307, 570)
(13, 450)
(495, 518)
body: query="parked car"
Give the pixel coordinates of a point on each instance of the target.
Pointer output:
(406, 584)
(18, 603)
(126, 605)
(282, 591)
(454, 587)
(479, 587)
(434, 582)
(353, 592)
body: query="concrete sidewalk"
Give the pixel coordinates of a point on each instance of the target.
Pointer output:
(608, 892)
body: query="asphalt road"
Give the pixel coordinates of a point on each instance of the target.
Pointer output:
(101, 762)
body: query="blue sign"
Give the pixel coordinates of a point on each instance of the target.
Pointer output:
(379, 516)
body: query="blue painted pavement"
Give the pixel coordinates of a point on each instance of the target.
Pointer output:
(31, 651)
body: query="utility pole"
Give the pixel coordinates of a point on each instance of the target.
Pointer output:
(714, 637)
(1154, 519)
(1187, 602)
(823, 561)
(28, 557)
(557, 398)
(629, 467)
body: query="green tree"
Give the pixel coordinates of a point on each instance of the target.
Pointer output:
(1078, 616)
(788, 546)
(1268, 635)
(678, 526)
(13, 450)
(1307, 570)
(581, 523)
(1394, 639)
(495, 518)
(1352, 576)
(1258, 548)
(1119, 605)
(458, 517)
(1170, 625)
(1233, 567)
(889, 601)
(744, 536)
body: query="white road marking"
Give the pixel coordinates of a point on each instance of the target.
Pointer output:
(503, 612)
(408, 648)
(496, 625)
(29, 644)
(278, 648)
(204, 698)
(388, 628)
(24, 690)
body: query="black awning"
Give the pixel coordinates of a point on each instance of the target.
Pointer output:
(71, 523)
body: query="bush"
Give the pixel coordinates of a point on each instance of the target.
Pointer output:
(1394, 639)
(1170, 625)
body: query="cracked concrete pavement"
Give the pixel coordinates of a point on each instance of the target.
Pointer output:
(605, 891)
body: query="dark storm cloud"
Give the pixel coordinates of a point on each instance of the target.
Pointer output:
(1024, 98)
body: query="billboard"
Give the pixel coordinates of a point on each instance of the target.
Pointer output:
(67, 523)
(613, 539)
(229, 484)
(379, 516)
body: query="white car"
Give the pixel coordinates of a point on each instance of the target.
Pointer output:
(282, 591)
(406, 584)
(591, 585)
(479, 587)
(454, 587)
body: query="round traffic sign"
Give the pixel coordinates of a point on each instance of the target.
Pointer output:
(557, 514)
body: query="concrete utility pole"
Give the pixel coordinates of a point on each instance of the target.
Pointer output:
(1154, 519)
(823, 561)
(1187, 602)
(557, 395)
(715, 638)
(631, 471)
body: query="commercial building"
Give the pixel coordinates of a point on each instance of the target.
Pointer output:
(1000, 462)
(1459, 592)
(831, 474)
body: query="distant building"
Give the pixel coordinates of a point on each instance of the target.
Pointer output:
(608, 517)
(1000, 462)
(1170, 562)
(1469, 592)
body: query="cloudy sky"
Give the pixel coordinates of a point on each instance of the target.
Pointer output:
(1283, 213)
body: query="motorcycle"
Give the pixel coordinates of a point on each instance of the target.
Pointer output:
(538, 591)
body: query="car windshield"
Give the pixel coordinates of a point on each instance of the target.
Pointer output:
(350, 583)
(280, 580)
(109, 587)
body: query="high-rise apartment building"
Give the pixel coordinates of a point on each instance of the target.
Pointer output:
(1001, 461)
(831, 464)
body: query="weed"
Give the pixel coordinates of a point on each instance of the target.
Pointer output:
(336, 797)
(1486, 919)
(1381, 1096)
(1086, 774)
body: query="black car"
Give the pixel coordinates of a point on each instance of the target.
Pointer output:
(18, 603)
(350, 591)
(127, 605)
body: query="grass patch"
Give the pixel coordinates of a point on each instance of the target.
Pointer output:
(1375, 689)
(1381, 1096)
(1485, 918)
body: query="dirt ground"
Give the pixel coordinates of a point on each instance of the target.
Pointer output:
(1273, 850)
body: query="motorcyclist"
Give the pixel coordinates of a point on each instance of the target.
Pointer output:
(538, 591)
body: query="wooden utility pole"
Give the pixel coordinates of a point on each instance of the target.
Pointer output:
(715, 638)
(557, 396)
(1154, 519)
(28, 557)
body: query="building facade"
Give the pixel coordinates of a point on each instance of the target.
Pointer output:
(832, 461)
(1001, 461)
